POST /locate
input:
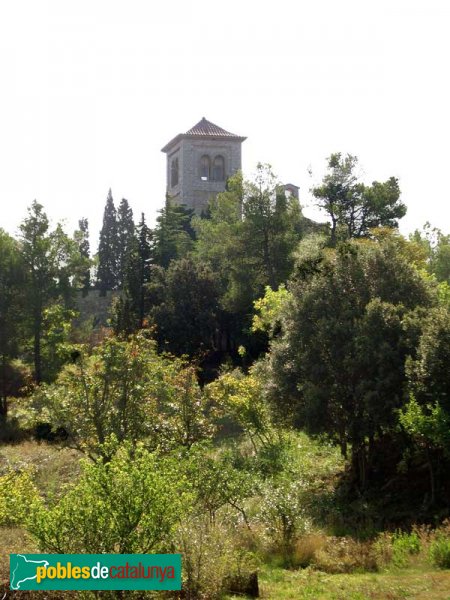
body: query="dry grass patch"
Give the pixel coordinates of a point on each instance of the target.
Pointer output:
(52, 465)
(306, 548)
(345, 555)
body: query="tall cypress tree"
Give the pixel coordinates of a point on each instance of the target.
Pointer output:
(107, 274)
(82, 239)
(145, 247)
(130, 309)
(125, 235)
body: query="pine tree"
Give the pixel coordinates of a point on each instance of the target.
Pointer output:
(173, 234)
(125, 235)
(107, 274)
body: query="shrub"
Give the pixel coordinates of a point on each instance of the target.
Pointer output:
(284, 515)
(218, 483)
(130, 505)
(403, 546)
(18, 495)
(127, 390)
(213, 562)
(440, 552)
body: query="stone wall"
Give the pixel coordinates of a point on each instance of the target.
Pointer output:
(191, 190)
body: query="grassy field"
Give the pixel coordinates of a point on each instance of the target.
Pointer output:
(307, 584)
(55, 467)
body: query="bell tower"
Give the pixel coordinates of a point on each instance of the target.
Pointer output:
(199, 163)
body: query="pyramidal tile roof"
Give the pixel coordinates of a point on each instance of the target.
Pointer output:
(203, 128)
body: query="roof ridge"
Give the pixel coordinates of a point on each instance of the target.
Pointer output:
(205, 127)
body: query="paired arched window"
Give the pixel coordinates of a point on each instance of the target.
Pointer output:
(205, 168)
(219, 169)
(216, 172)
(174, 172)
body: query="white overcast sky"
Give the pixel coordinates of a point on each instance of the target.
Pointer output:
(91, 90)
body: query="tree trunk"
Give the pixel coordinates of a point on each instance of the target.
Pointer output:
(359, 464)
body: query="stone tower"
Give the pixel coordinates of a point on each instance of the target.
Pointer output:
(199, 163)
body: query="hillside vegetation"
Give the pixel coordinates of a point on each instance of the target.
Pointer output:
(268, 396)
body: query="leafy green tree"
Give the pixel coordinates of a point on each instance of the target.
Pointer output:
(185, 414)
(428, 372)
(184, 301)
(217, 483)
(436, 247)
(50, 259)
(429, 428)
(115, 391)
(220, 244)
(272, 227)
(131, 504)
(70, 264)
(108, 262)
(56, 346)
(268, 310)
(242, 397)
(339, 366)
(353, 207)
(426, 418)
(125, 391)
(173, 234)
(248, 240)
(12, 303)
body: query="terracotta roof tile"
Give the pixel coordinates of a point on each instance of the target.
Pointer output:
(205, 127)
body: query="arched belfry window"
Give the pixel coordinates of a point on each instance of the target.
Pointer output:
(205, 167)
(219, 169)
(174, 172)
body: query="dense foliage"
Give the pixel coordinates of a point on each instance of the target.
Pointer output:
(259, 377)
(339, 366)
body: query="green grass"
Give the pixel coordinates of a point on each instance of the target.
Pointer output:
(413, 577)
(307, 584)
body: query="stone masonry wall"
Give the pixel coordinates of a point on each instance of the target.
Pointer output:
(191, 190)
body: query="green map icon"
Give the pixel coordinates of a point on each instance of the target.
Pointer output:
(23, 569)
